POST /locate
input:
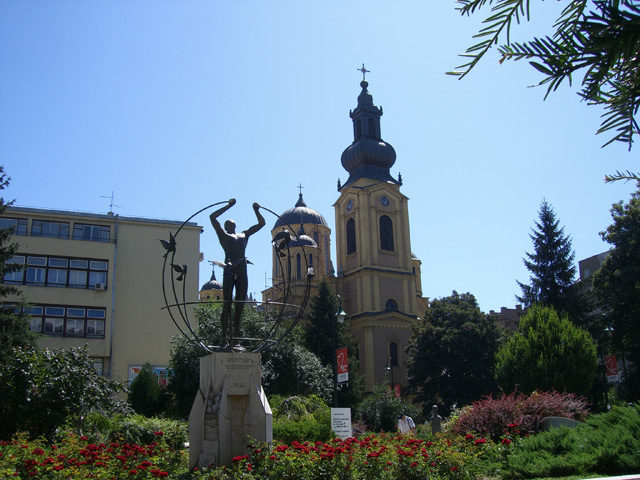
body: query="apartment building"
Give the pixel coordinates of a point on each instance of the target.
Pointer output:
(96, 280)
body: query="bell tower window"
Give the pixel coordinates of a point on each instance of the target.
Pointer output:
(351, 236)
(386, 233)
(358, 129)
(371, 126)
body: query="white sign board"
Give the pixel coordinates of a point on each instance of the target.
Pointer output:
(341, 422)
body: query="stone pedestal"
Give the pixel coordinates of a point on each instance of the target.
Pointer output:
(229, 411)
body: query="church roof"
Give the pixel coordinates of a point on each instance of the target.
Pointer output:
(300, 214)
(368, 156)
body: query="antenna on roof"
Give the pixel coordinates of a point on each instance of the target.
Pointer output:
(111, 205)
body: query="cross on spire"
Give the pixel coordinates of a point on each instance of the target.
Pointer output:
(364, 72)
(300, 187)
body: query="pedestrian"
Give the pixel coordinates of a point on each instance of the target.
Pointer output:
(405, 424)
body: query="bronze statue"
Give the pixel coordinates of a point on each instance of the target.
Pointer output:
(235, 269)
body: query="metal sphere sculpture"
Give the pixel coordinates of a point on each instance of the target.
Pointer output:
(234, 267)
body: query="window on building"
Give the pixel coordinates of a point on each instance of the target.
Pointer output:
(16, 277)
(386, 233)
(43, 271)
(43, 228)
(94, 233)
(87, 322)
(393, 354)
(391, 305)
(298, 267)
(351, 236)
(358, 129)
(19, 225)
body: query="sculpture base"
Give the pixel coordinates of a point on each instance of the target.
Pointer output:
(230, 409)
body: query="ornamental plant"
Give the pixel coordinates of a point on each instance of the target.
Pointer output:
(516, 414)
(379, 457)
(77, 457)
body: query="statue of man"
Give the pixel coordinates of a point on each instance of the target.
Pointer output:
(235, 270)
(435, 420)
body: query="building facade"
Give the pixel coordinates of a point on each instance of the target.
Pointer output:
(95, 280)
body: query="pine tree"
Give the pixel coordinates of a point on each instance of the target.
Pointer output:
(14, 326)
(318, 338)
(551, 266)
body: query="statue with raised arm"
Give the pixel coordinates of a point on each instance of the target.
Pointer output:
(235, 270)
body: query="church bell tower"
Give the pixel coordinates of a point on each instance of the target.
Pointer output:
(376, 272)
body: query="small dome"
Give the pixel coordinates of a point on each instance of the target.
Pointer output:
(302, 239)
(300, 214)
(212, 284)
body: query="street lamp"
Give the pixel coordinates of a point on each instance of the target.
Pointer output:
(340, 317)
(390, 368)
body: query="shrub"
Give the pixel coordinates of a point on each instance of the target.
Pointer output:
(519, 414)
(607, 443)
(309, 431)
(41, 390)
(136, 429)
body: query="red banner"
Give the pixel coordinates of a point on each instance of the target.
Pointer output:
(343, 365)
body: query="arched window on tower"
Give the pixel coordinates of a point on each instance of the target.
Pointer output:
(298, 267)
(386, 233)
(391, 305)
(393, 354)
(358, 129)
(371, 126)
(351, 236)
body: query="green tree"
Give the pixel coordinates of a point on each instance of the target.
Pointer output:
(14, 322)
(547, 353)
(594, 38)
(318, 339)
(41, 390)
(617, 286)
(552, 269)
(145, 395)
(451, 353)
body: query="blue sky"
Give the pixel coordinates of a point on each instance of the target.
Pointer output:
(175, 105)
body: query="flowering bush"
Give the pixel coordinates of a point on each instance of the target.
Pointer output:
(379, 457)
(496, 416)
(76, 457)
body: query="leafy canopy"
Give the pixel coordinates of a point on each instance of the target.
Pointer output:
(547, 353)
(596, 39)
(617, 286)
(41, 390)
(451, 353)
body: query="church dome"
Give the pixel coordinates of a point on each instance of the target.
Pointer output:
(368, 151)
(212, 284)
(302, 240)
(300, 214)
